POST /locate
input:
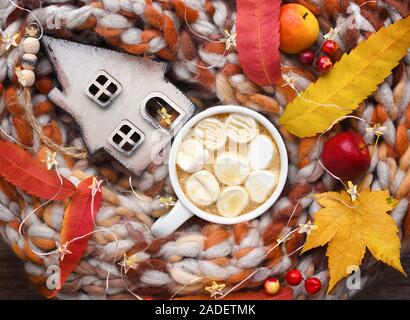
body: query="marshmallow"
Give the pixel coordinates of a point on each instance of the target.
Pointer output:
(232, 201)
(202, 188)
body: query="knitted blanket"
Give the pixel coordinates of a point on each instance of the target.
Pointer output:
(186, 34)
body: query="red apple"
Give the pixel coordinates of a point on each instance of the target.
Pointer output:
(346, 155)
(272, 285)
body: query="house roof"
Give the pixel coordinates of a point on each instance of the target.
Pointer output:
(69, 58)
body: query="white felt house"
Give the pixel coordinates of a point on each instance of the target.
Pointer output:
(122, 103)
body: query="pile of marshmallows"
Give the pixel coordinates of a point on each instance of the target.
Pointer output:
(229, 163)
(30, 46)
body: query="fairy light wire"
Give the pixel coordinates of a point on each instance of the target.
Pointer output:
(227, 42)
(192, 30)
(133, 191)
(280, 241)
(351, 15)
(42, 205)
(40, 25)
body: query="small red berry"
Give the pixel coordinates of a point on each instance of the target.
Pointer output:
(330, 47)
(272, 285)
(306, 57)
(313, 285)
(324, 64)
(293, 277)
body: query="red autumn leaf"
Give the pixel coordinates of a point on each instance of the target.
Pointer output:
(19, 168)
(258, 39)
(78, 222)
(285, 293)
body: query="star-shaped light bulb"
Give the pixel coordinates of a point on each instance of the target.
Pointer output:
(331, 35)
(51, 160)
(62, 250)
(229, 40)
(307, 227)
(352, 191)
(377, 129)
(10, 41)
(289, 81)
(215, 289)
(129, 262)
(32, 30)
(165, 115)
(95, 186)
(167, 202)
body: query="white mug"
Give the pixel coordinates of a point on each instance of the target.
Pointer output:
(184, 208)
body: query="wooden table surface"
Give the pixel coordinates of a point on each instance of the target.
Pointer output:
(14, 284)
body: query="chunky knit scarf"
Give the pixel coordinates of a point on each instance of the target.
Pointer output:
(187, 34)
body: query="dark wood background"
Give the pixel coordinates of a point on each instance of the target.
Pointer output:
(14, 284)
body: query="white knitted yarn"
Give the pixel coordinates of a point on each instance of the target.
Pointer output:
(182, 260)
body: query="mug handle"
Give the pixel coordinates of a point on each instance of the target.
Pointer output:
(168, 223)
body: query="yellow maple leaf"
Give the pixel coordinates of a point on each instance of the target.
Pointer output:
(349, 227)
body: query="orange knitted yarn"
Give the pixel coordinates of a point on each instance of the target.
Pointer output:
(187, 34)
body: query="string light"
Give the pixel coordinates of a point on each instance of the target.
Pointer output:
(215, 289)
(352, 191)
(229, 40)
(377, 129)
(307, 227)
(10, 41)
(60, 186)
(167, 202)
(62, 251)
(281, 240)
(163, 113)
(228, 37)
(331, 35)
(32, 30)
(95, 186)
(40, 26)
(349, 21)
(291, 82)
(51, 160)
(129, 262)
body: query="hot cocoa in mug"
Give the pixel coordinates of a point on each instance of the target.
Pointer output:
(227, 165)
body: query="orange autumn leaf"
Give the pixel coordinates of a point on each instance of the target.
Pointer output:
(19, 168)
(78, 222)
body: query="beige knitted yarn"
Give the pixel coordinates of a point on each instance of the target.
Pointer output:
(187, 34)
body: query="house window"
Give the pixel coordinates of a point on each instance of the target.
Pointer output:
(126, 137)
(159, 110)
(103, 89)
